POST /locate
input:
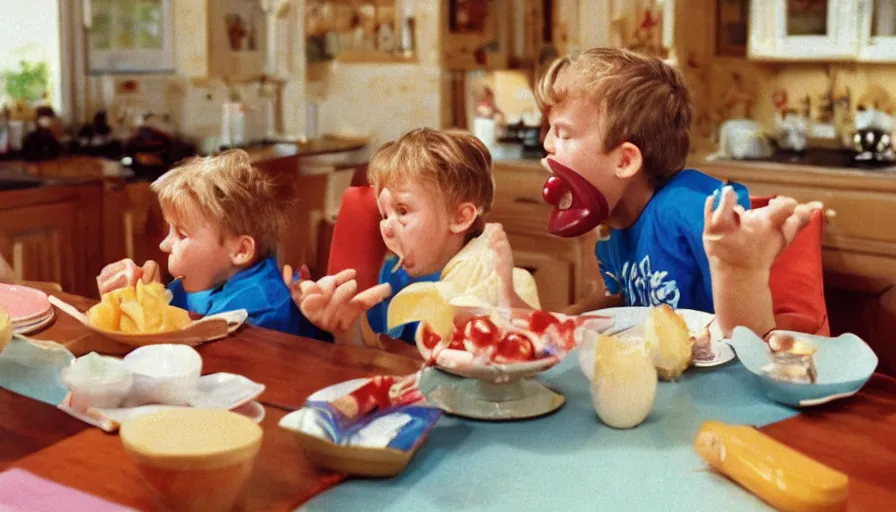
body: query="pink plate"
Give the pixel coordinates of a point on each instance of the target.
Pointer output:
(23, 303)
(36, 324)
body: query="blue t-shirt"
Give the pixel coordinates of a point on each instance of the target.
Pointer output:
(660, 259)
(259, 290)
(376, 316)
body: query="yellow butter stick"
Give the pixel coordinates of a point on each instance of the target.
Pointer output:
(779, 475)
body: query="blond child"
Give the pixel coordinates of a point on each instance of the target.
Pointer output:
(619, 125)
(433, 189)
(224, 223)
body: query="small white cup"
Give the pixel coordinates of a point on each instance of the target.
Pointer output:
(97, 381)
(164, 374)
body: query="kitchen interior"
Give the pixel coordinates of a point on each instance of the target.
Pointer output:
(792, 97)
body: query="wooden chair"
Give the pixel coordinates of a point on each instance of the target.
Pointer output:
(357, 242)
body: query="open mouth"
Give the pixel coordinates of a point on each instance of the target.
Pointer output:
(578, 206)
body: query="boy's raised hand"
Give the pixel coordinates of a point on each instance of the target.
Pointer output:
(334, 304)
(124, 273)
(293, 282)
(751, 239)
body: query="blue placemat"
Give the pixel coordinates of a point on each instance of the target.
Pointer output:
(570, 460)
(34, 372)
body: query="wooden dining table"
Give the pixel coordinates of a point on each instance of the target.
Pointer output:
(856, 436)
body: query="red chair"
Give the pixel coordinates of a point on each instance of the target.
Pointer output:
(357, 242)
(797, 280)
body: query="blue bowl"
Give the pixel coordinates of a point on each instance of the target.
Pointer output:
(844, 364)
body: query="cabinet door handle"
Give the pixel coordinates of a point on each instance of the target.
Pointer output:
(830, 214)
(526, 200)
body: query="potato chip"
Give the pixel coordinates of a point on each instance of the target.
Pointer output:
(132, 318)
(141, 309)
(105, 315)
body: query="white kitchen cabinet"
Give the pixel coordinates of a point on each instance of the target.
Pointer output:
(877, 32)
(850, 30)
(803, 29)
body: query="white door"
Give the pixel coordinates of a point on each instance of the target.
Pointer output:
(803, 29)
(877, 40)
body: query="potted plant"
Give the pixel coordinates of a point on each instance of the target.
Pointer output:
(27, 84)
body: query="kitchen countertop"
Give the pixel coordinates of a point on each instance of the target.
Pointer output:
(313, 147)
(883, 179)
(529, 164)
(76, 169)
(65, 170)
(844, 178)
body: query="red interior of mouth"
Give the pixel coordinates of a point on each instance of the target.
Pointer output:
(589, 207)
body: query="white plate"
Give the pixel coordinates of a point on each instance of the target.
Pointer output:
(722, 353)
(635, 316)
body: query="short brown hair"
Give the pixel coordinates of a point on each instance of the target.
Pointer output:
(642, 99)
(456, 165)
(228, 192)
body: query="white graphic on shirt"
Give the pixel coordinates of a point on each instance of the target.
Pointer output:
(643, 287)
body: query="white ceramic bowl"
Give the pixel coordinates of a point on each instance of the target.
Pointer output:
(97, 381)
(164, 374)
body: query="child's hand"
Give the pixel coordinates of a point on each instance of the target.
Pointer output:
(294, 282)
(124, 273)
(498, 242)
(751, 239)
(334, 304)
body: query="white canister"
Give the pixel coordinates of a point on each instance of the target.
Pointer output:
(311, 119)
(233, 125)
(484, 130)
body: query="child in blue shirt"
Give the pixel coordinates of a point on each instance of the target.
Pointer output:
(433, 189)
(224, 223)
(617, 144)
(660, 258)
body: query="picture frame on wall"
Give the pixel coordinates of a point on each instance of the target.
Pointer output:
(130, 36)
(732, 18)
(237, 39)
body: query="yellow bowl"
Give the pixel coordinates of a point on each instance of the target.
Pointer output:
(194, 459)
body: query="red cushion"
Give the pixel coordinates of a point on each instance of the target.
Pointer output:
(797, 280)
(357, 242)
